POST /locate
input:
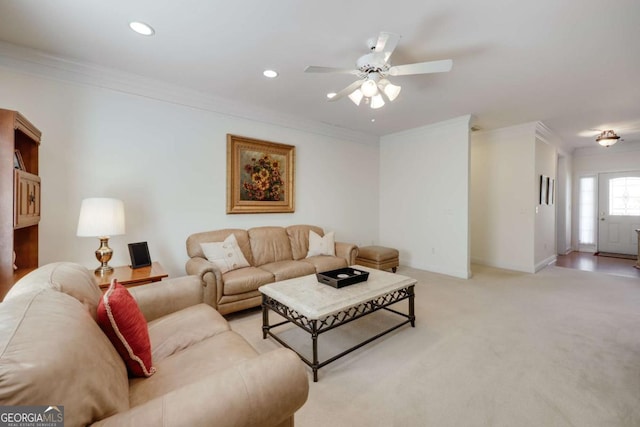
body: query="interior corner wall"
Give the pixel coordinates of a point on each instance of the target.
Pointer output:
(503, 198)
(167, 162)
(424, 196)
(545, 214)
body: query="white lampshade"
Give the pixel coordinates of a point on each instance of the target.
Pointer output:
(356, 96)
(377, 101)
(369, 88)
(390, 90)
(101, 217)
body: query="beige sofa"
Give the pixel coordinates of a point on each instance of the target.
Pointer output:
(273, 253)
(52, 352)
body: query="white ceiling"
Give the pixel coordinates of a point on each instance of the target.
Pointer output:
(572, 64)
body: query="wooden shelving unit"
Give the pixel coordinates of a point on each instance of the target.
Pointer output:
(19, 198)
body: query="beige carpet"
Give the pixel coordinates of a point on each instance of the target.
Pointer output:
(558, 348)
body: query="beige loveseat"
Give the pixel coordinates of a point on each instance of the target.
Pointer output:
(52, 352)
(273, 254)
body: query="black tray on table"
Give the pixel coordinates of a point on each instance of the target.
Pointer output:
(342, 277)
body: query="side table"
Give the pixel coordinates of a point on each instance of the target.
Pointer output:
(128, 276)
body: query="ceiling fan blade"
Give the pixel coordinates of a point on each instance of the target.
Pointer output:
(314, 69)
(347, 90)
(387, 43)
(422, 68)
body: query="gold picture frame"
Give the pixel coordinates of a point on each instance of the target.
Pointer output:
(260, 176)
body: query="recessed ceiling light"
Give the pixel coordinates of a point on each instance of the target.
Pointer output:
(373, 120)
(142, 28)
(270, 73)
(331, 95)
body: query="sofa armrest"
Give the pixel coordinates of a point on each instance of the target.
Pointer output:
(263, 391)
(347, 251)
(167, 296)
(210, 276)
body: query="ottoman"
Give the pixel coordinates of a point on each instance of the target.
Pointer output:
(378, 257)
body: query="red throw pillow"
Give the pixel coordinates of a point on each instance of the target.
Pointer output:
(122, 321)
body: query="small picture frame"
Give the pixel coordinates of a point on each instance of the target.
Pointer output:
(18, 163)
(543, 190)
(139, 253)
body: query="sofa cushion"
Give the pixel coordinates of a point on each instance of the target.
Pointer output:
(269, 244)
(324, 263)
(69, 278)
(53, 353)
(225, 255)
(321, 245)
(122, 321)
(299, 238)
(195, 250)
(190, 365)
(245, 280)
(284, 270)
(176, 331)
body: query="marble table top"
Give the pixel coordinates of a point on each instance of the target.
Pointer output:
(316, 301)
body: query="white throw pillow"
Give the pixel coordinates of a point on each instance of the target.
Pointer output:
(225, 255)
(321, 245)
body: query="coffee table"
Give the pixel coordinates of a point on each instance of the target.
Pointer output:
(317, 308)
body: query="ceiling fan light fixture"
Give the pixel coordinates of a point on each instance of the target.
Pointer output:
(356, 96)
(369, 88)
(377, 101)
(607, 138)
(390, 90)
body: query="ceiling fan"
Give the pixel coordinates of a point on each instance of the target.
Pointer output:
(373, 69)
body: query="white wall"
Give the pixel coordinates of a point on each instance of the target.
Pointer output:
(424, 196)
(503, 197)
(168, 163)
(621, 157)
(545, 215)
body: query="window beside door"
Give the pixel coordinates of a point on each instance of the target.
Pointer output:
(587, 211)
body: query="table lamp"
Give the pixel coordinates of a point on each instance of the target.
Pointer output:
(102, 218)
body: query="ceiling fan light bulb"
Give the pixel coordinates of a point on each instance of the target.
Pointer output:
(377, 101)
(356, 96)
(369, 88)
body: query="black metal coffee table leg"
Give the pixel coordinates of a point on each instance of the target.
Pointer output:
(265, 319)
(412, 310)
(314, 338)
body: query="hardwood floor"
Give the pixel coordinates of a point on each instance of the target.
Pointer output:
(588, 262)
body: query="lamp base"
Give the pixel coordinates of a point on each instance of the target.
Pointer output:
(103, 270)
(104, 254)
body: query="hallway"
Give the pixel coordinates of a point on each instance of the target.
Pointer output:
(589, 262)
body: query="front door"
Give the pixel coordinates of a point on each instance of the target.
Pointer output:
(618, 212)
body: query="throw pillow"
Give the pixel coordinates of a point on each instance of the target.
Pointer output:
(225, 255)
(122, 321)
(321, 245)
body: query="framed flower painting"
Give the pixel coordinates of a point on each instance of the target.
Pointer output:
(259, 176)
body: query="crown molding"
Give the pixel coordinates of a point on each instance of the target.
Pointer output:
(547, 136)
(41, 64)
